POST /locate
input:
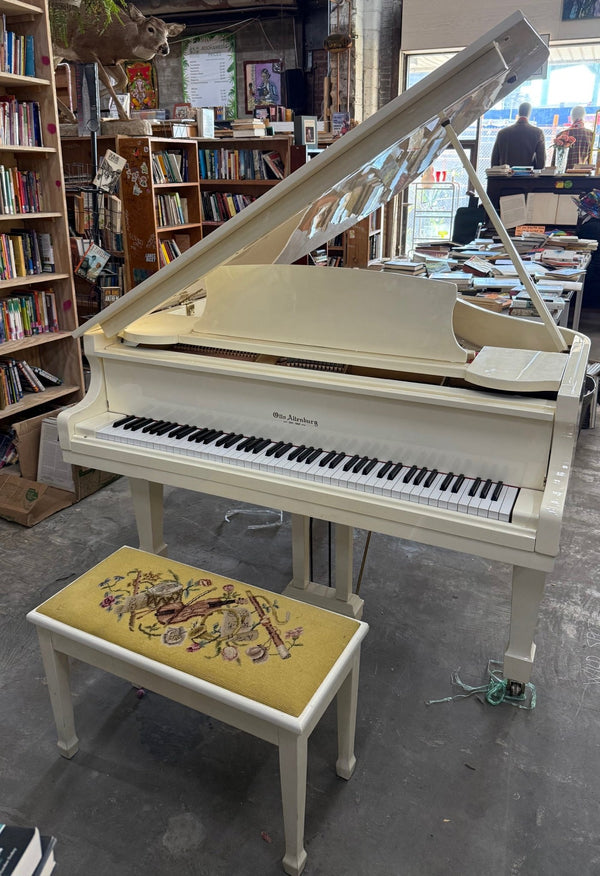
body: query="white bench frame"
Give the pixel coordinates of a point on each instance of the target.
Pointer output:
(58, 642)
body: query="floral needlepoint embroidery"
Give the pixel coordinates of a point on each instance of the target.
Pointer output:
(228, 621)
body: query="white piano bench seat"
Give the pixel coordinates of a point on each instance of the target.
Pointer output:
(228, 650)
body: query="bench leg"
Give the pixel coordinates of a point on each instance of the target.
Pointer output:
(56, 667)
(292, 769)
(347, 699)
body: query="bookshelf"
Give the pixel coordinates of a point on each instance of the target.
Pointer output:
(156, 214)
(30, 151)
(94, 216)
(233, 173)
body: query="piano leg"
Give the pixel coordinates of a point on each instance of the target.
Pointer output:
(148, 508)
(340, 599)
(527, 592)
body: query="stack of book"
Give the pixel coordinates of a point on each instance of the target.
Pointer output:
(405, 266)
(499, 170)
(248, 128)
(583, 169)
(23, 852)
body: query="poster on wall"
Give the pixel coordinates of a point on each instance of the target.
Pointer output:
(262, 81)
(141, 85)
(576, 9)
(208, 66)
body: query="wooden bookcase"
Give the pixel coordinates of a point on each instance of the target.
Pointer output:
(78, 169)
(223, 175)
(143, 230)
(56, 352)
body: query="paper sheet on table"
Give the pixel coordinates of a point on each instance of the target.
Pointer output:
(507, 269)
(513, 210)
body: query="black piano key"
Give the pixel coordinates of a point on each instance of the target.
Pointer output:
(210, 439)
(395, 471)
(485, 489)
(420, 476)
(127, 419)
(385, 468)
(243, 444)
(305, 454)
(370, 466)
(208, 436)
(474, 487)
(250, 445)
(233, 440)
(155, 424)
(360, 464)
(175, 432)
(337, 459)
(447, 481)
(295, 453)
(328, 457)
(458, 483)
(431, 477)
(274, 448)
(351, 462)
(185, 432)
(313, 456)
(264, 442)
(135, 427)
(134, 422)
(283, 450)
(200, 435)
(224, 438)
(410, 474)
(166, 428)
(497, 491)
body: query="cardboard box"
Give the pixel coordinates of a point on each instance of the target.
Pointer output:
(25, 499)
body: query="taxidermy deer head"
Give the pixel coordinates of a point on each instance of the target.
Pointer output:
(128, 34)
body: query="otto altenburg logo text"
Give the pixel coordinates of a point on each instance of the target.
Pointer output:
(294, 420)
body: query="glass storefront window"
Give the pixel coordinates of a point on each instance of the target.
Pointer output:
(573, 77)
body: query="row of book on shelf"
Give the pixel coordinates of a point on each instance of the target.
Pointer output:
(20, 122)
(220, 206)
(17, 51)
(20, 191)
(28, 313)
(170, 166)
(25, 252)
(18, 377)
(24, 851)
(89, 205)
(240, 164)
(171, 209)
(171, 248)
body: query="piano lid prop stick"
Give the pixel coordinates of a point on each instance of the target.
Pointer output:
(555, 335)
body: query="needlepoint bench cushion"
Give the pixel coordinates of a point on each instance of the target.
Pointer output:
(253, 642)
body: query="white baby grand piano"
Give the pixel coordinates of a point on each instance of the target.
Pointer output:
(417, 415)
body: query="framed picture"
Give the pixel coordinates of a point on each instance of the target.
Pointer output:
(141, 85)
(262, 83)
(305, 131)
(183, 111)
(576, 9)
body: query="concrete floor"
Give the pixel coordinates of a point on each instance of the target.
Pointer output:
(454, 789)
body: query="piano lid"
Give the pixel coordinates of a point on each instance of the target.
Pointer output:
(351, 178)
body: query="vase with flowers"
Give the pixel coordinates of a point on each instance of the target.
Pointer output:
(562, 143)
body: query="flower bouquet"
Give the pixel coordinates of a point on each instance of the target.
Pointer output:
(562, 142)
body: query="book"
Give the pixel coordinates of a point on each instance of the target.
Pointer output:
(109, 171)
(20, 850)
(275, 164)
(47, 862)
(92, 263)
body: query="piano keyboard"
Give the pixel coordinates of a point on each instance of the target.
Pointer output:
(394, 479)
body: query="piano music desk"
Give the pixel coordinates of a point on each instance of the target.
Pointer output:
(219, 646)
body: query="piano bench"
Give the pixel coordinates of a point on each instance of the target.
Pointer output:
(251, 658)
